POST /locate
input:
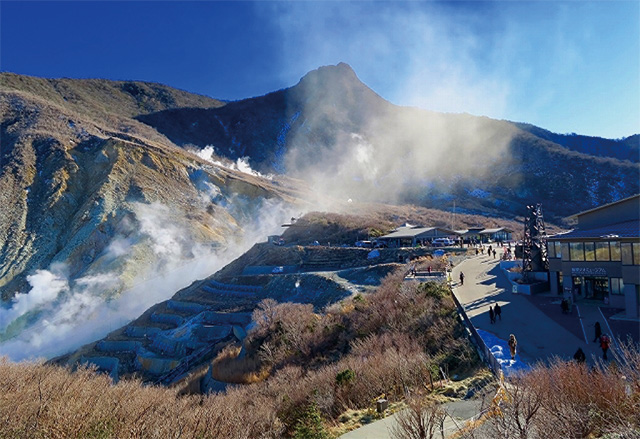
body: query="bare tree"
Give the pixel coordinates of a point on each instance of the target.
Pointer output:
(422, 419)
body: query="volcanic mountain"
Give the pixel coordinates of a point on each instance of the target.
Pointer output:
(333, 131)
(113, 187)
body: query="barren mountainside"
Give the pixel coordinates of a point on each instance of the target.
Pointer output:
(114, 187)
(331, 124)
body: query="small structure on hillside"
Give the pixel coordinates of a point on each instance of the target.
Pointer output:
(411, 236)
(499, 234)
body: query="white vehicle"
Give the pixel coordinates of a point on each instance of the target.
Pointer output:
(443, 242)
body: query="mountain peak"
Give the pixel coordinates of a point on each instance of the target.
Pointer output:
(340, 73)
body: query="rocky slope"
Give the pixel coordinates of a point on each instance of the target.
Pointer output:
(95, 203)
(122, 188)
(333, 131)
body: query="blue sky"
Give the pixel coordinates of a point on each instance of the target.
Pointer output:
(564, 66)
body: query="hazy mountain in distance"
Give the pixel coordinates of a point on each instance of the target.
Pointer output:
(333, 131)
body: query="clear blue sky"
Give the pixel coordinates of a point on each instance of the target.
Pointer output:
(564, 66)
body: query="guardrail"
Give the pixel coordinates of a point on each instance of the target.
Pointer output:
(489, 358)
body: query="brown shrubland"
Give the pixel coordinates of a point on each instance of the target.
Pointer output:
(303, 362)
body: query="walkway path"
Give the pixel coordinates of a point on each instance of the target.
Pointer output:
(537, 322)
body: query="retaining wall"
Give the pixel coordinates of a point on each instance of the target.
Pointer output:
(186, 307)
(168, 346)
(212, 333)
(171, 319)
(223, 318)
(104, 364)
(118, 345)
(155, 365)
(489, 358)
(141, 331)
(255, 270)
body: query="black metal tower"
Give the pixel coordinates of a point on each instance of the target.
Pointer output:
(534, 245)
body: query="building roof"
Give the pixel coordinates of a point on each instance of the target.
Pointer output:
(605, 206)
(406, 232)
(496, 230)
(470, 230)
(627, 229)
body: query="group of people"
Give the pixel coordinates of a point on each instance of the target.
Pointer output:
(603, 339)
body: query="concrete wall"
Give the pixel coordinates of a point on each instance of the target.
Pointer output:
(212, 333)
(141, 331)
(625, 211)
(168, 346)
(109, 365)
(223, 318)
(118, 345)
(632, 301)
(155, 365)
(186, 307)
(254, 270)
(171, 319)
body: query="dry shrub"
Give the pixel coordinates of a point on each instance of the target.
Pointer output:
(422, 419)
(47, 401)
(230, 367)
(572, 401)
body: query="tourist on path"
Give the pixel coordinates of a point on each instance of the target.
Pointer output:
(492, 317)
(598, 332)
(513, 344)
(579, 356)
(498, 311)
(605, 342)
(461, 278)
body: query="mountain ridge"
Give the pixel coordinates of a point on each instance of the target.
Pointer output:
(330, 107)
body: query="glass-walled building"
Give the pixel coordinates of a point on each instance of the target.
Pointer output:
(600, 260)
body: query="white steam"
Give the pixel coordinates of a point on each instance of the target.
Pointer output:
(241, 164)
(69, 313)
(45, 288)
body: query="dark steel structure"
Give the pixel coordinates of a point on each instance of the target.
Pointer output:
(534, 245)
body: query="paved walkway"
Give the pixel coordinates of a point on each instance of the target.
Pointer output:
(537, 322)
(459, 412)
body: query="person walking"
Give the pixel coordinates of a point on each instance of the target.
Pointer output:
(461, 278)
(513, 344)
(579, 356)
(605, 342)
(494, 253)
(492, 316)
(598, 331)
(498, 311)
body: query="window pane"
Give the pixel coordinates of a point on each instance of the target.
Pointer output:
(636, 253)
(626, 253)
(577, 251)
(565, 251)
(602, 251)
(615, 250)
(558, 250)
(617, 286)
(551, 249)
(589, 251)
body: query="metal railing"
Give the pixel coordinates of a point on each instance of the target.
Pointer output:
(489, 358)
